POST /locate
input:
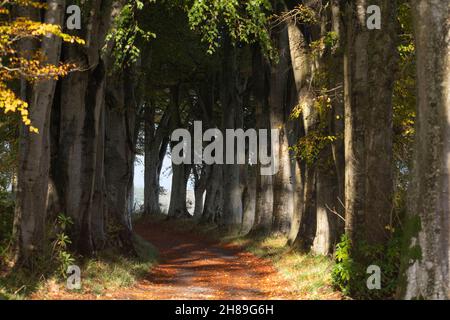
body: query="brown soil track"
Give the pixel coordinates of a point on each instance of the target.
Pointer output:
(192, 266)
(196, 267)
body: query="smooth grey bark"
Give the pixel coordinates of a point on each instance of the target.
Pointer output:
(249, 200)
(427, 273)
(99, 200)
(177, 206)
(304, 64)
(34, 154)
(326, 234)
(155, 144)
(299, 203)
(298, 167)
(119, 151)
(180, 172)
(283, 189)
(369, 60)
(94, 105)
(231, 100)
(201, 175)
(81, 112)
(329, 168)
(213, 206)
(336, 81)
(264, 188)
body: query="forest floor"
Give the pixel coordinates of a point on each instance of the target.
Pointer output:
(196, 264)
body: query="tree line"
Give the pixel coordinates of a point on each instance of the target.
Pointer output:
(361, 115)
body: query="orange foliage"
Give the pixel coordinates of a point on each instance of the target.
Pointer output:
(31, 67)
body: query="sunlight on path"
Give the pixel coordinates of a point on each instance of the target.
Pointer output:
(193, 267)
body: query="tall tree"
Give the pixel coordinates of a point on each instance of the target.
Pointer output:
(283, 190)
(427, 251)
(156, 141)
(231, 101)
(369, 60)
(180, 172)
(34, 152)
(120, 149)
(264, 188)
(302, 30)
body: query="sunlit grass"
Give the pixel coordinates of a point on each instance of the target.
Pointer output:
(309, 275)
(109, 271)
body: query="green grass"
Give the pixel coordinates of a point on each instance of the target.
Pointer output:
(309, 274)
(110, 270)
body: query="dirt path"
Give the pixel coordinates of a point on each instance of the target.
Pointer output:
(193, 267)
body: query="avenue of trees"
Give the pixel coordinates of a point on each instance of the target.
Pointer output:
(360, 98)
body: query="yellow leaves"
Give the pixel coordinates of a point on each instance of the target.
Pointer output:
(25, 3)
(297, 110)
(9, 102)
(321, 104)
(26, 28)
(29, 3)
(34, 69)
(30, 66)
(309, 146)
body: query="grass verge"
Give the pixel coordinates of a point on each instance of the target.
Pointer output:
(108, 271)
(309, 274)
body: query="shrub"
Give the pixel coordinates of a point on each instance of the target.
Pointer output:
(349, 273)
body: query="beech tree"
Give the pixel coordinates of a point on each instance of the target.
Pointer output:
(34, 152)
(368, 127)
(333, 78)
(427, 246)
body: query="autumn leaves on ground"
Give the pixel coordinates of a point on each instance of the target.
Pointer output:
(192, 265)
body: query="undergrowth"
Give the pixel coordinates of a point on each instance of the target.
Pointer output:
(309, 274)
(350, 275)
(108, 271)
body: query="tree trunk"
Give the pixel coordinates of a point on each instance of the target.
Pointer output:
(177, 206)
(34, 154)
(155, 144)
(326, 203)
(119, 153)
(264, 188)
(369, 77)
(99, 199)
(428, 252)
(80, 129)
(214, 195)
(201, 175)
(231, 101)
(336, 71)
(249, 200)
(304, 64)
(180, 172)
(283, 190)
(299, 203)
